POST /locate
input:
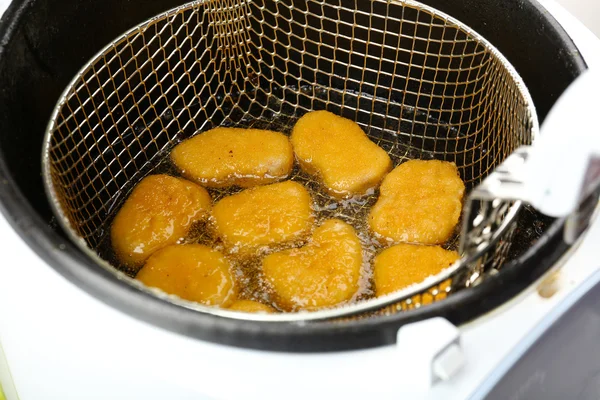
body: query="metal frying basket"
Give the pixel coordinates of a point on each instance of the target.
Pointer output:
(420, 83)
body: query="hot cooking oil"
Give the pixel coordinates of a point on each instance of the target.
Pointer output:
(354, 211)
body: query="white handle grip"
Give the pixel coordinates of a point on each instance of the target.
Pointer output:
(563, 165)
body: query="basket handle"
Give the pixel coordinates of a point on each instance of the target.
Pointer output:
(563, 167)
(559, 174)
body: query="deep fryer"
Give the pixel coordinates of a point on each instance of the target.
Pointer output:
(426, 25)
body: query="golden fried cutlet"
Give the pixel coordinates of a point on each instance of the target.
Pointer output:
(159, 212)
(419, 202)
(193, 272)
(234, 156)
(338, 152)
(251, 306)
(404, 264)
(323, 273)
(264, 215)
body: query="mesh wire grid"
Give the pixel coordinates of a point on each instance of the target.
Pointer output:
(421, 84)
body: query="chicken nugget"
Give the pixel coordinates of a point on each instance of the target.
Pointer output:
(419, 202)
(323, 273)
(338, 152)
(264, 215)
(251, 306)
(428, 297)
(404, 264)
(193, 272)
(234, 156)
(160, 211)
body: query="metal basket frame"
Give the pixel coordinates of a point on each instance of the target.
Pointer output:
(396, 67)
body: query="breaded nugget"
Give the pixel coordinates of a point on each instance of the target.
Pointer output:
(263, 215)
(404, 264)
(159, 212)
(323, 273)
(234, 156)
(193, 272)
(251, 306)
(419, 202)
(428, 298)
(338, 152)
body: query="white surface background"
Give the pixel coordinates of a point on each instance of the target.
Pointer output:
(587, 11)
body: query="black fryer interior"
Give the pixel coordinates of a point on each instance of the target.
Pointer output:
(45, 42)
(48, 46)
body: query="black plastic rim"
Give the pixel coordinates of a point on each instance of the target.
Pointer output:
(23, 211)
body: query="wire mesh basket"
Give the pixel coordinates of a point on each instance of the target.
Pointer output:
(420, 84)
